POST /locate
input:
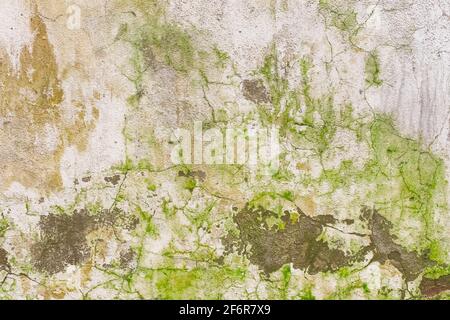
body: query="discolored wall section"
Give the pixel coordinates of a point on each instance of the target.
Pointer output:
(94, 96)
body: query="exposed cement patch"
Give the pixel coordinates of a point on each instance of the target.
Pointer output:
(433, 287)
(297, 243)
(127, 259)
(200, 175)
(4, 264)
(254, 90)
(63, 239)
(410, 264)
(113, 179)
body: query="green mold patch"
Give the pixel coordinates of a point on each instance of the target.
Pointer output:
(197, 283)
(399, 176)
(372, 70)
(437, 271)
(4, 226)
(342, 16)
(222, 58)
(349, 290)
(307, 294)
(147, 219)
(166, 43)
(155, 43)
(419, 174)
(282, 101)
(295, 243)
(4, 263)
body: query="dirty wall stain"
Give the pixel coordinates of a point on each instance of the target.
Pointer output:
(35, 130)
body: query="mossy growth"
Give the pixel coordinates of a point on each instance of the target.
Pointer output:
(406, 179)
(372, 70)
(283, 101)
(341, 15)
(196, 283)
(419, 175)
(286, 273)
(202, 218)
(437, 271)
(307, 293)
(4, 226)
(154, 42)
(150, 228)
(221, 57)
(350, 289)
(167, 41)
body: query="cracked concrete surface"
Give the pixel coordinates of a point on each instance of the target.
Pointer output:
(93, 94)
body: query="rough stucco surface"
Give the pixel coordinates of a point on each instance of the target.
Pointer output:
(93, 206)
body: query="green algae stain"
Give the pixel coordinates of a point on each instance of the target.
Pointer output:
(167, 42)
(308, 122)
(196, 283)
(221, 57)
(307, 294)
(421, 173)
(154, 42)
(286, 273)
(341, 15)
(372, 70)
(409, 179)
(4, 226)
(150, 228)
(437, 271)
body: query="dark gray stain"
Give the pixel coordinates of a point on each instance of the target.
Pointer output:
(297, 243)
(255, 91)
(127, 259)
(200, 175)
(4, 264)
(410, 264)
(433, 287)
(114, 179)
(63, 237)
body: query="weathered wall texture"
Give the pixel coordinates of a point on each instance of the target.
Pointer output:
(93, 95)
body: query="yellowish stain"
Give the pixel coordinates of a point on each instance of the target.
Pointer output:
(307, 205)
(34, 128)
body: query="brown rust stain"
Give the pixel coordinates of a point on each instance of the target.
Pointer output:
(31, 106)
